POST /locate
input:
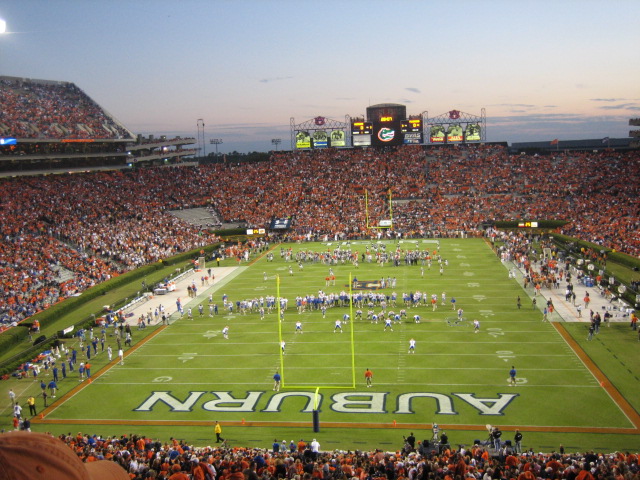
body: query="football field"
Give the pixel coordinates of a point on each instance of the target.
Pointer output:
(186, 375)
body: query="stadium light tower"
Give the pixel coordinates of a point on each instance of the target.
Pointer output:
(276, 142)
(200, 125)
(216, 142)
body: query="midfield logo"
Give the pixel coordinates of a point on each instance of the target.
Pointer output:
(350, 402)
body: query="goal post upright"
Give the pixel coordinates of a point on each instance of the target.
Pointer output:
(353, 345)
(390, 210)
(279, 319)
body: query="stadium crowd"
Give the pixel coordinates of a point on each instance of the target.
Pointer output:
(102, 223)
(144, 457)
(32, 109)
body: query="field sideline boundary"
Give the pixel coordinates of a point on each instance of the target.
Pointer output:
(414, 426)
(611, 390)
(85, 383)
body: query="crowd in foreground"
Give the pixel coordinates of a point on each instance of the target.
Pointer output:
(142, 457)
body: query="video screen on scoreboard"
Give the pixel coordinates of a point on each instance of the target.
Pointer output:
(303, 140)
(472, 133)
(454, 133)
(320, 139)
(386, 131)
(338, 138)
(436, 134)
(361, 140)
(361, 128)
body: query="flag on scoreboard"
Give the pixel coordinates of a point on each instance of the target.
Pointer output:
(554, 141)
(605, 140)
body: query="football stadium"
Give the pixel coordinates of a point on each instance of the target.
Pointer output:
(392, 296)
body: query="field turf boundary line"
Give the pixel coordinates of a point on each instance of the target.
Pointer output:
(85, 383)
(612, 391)
(308, 424)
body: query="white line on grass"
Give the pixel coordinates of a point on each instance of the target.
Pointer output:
(380, 354)
(368, 342)
(217, 368)
(393, 384)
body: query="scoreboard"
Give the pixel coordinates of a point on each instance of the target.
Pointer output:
(361, 128)
(411, 125)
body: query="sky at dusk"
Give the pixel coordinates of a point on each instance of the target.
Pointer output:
(567, 69)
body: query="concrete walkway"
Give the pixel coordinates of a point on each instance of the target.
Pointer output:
(565, 310)
(222, 275)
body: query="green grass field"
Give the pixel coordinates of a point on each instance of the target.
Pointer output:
(182, 379)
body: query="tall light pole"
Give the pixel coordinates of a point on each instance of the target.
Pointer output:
(216, 142)
(276, 142)
(200, 125)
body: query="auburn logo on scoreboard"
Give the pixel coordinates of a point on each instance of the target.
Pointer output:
(454, 114)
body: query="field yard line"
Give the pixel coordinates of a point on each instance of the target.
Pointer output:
(345, 385)
(328, 342)
(600, 377)
(382, 354)
(253, 369)
(307, 424)
(77, 389)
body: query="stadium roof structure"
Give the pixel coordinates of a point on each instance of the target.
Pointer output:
(49, 126)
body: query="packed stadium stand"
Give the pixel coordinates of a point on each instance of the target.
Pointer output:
(47, 126)
(145, 457)
(46, 109)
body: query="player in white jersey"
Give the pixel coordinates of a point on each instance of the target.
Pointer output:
(476, 326)
(345, 318)
(412, 346)
(416, 318)
(225, 332)
(338, 326)
(298, 327)
(283, 344)
(387, 323)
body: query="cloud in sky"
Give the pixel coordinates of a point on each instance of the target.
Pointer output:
(513, 105)
(274, 79)
(621, 106)
(413, 89)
